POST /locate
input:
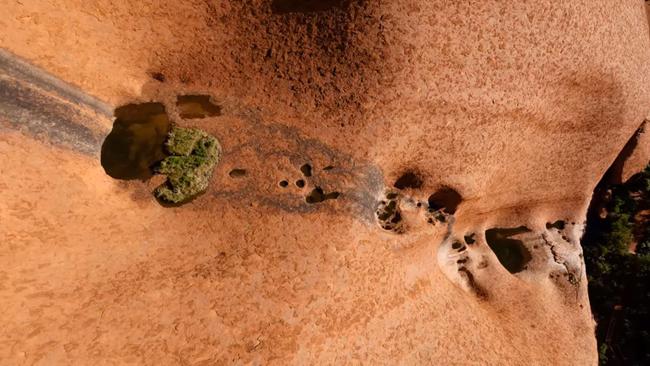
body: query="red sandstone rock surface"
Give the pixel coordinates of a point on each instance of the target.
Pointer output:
(520, 107)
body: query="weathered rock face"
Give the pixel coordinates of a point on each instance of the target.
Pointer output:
(487, 124)
(636, 157)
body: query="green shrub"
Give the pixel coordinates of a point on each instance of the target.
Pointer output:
(619, 278)
(194, 155)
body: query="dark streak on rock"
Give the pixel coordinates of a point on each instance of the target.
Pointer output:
(36, 103)
(478, 290)
(359, 182)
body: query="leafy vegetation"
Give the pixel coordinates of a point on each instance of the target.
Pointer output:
(619, 272)
(193, 155)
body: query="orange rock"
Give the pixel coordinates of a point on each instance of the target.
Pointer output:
(520, 107)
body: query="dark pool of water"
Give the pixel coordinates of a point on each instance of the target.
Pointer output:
(136, 142)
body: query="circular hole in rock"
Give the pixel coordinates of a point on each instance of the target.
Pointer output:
(306, 170)
(283, 183)
(300, 183)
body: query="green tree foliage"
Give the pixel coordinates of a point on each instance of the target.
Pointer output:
(619, 278)
(194, 155)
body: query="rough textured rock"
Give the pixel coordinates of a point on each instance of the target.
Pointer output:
(519, 107)
(640, 153)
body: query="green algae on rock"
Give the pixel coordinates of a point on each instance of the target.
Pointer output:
(193, 156)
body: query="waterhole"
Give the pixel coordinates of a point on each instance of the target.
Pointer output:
(136, 141)
(196, 106)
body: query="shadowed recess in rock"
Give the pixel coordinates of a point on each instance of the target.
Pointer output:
(409, 179)
(136, 141)
(556, 225)
(237, 173)
(196, 106)
(317, 195)
(306, 170)
(470, 239)
(512, 253)
(446, 199)
(388, 213)
(159, 76)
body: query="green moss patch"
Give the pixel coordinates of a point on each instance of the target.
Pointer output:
(193, 156)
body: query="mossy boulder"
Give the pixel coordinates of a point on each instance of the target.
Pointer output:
(193, 156)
